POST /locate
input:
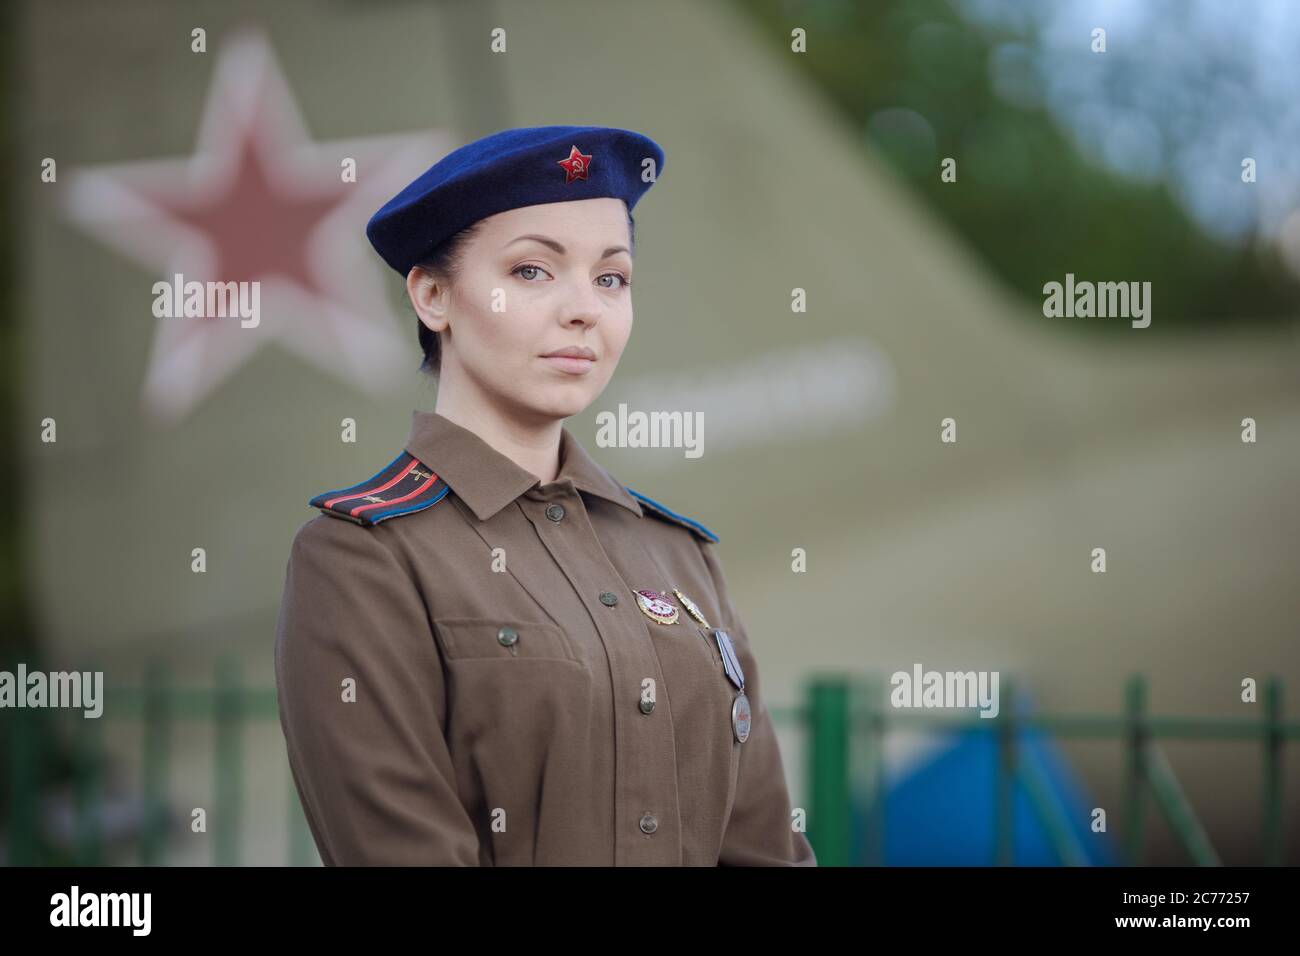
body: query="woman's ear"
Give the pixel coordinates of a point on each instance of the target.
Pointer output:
(428, 296)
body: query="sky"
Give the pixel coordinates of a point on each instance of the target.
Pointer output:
(1186, 90)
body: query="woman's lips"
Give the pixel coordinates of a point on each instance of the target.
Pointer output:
(569, 364)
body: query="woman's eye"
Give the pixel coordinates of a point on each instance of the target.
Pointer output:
(519, 270)
(623, 281)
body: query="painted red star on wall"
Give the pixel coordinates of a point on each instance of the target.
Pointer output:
(259, 201)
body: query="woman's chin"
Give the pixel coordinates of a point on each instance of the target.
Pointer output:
(563, 401)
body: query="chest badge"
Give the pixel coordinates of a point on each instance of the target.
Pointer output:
(692, 608)
(656, 606)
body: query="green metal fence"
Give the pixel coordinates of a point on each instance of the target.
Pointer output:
(848, 719)
(843, 722)
(157, 707)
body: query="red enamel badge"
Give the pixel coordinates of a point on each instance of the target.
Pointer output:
(576, 166)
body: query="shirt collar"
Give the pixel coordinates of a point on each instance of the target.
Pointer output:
(487, 480)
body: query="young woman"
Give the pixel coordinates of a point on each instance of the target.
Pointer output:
(491, 652)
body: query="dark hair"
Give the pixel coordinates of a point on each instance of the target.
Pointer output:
(444, 263)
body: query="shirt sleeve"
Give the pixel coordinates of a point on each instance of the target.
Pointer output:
(759, 830)
(374, 774)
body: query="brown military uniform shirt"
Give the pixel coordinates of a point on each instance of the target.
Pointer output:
(498, 660)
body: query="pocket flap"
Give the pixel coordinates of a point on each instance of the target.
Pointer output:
(468, 638)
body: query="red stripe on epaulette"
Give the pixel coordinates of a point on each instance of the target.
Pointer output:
(404, 486)
(414, 493)
(376, 490)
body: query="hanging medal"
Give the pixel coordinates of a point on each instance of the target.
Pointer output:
(740, 714)
(656, 606)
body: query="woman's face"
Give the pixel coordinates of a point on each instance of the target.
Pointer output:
(533, 281)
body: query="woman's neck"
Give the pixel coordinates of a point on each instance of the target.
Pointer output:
(533, 447)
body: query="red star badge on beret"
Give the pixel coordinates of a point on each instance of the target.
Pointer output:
(576, 166)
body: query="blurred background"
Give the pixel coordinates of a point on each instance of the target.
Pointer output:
(806, 144)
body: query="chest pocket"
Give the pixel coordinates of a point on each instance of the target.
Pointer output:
(476, 638)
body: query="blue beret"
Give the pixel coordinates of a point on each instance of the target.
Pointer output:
(512, 168)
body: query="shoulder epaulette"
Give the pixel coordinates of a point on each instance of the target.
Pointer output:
(403, 486)
(656, 508)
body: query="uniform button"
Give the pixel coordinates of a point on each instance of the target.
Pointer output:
(608, 598)
(649, 824)
(647, 705)
(507, 636)
(555, 512)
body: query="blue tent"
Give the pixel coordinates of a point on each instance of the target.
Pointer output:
(942, 811)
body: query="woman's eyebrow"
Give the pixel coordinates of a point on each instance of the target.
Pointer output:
(560, 248)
